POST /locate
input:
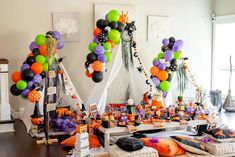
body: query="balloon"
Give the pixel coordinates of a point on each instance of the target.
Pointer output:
(156, 62)
(170, 45)
(33, 45)
(113, 15)
(164, 94)
(162, 75)
(107, 46)
(91, 57)
(52, 59)
(99, 50)
(114, 35)
(102, 37)
(45, 67)
(165, 86)
(164, 48)
(155, 59)
(96, 40)
(176, 47)
(24, 66)
(16, 76)
(117, 41)
(34, 96)
(108, 56)
(21, 84)
(40, 39)
(113, 25)
(92, 46)
(162, 66)
(156, 81)
(30, 60)
(43, 74)
(97, 76)
(40, 59)
(57, 35)
(154, 70)
(172, 39)
(165, 42)
(25, 93)
(100, 24)
(50, 34)
(88, 74)
(112, 43)
(120, 27)
(43, 50)
(160, 55)
(177, 55)
(27, 75)
(14, 90)
(169, 55)
(102, 58)
(37, 78)
(37, 68)
(97, 32)
(60, 44)
(30, 84)
(97, 66)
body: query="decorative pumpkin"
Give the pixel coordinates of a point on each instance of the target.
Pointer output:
(63, 112)
(37, 121)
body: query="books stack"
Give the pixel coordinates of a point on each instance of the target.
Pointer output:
(81, 145)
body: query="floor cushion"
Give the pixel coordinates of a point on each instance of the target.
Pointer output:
(129, 144)
(222, 134)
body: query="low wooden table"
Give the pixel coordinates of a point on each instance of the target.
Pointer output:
(147, 127)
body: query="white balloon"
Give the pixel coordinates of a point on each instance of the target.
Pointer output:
(162, 61)
(168, 64)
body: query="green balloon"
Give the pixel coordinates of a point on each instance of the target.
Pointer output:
(160, 55)
(108, 56)
(165, 86)
(92, 46)
(107, 46)
(45, 67)
(21, 84)
(40, 59)
(117, 41)
(40, 39)
(113, 15)
(114, 35)
(52, 59)
(177, 55)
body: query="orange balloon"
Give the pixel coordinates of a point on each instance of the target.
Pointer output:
(16, 76)
(43, 50)
(34, 96)
(154, 70)
(97, 66)
(37, 68)
(162, 75)
(97, 32)
(112, 43)
(88, 74)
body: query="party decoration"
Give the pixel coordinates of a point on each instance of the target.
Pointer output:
(34, 96)
(21, 85)
(15, 91)
(16, 76)
(165, 86)
(113, 15)
(40, 59)
(97, 76)
(97, 66)
(27, 75)
(92, 46)
(40, 39)
(37, 68)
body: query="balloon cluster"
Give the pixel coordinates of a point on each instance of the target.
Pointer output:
(166, 63)
(28, 81)
(107, 34)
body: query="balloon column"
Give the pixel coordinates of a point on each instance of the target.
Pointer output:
(107, 34)
(165, 63)
(28, 81)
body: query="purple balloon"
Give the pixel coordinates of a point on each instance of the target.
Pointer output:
(37, 78)
(161, 66)
(32, 46)
(165, 42)
(30, 84)
(99, 50)
(25, 93)
(96, 40)
(24, 66)
(169, 55)
(156, 63)
(57, 35)
(156, 81)
(176, 47)
(60, 44)
(102, 58)
(164, 94)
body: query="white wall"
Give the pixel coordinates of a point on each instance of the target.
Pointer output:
(224, 7)
(22, 20)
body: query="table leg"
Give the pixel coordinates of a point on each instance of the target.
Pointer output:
(106, 141)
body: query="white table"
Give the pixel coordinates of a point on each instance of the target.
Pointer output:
(145, 127)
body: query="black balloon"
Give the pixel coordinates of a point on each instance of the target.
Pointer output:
(170, 45)
(35, 52)
(97, 76)
(30, 60)
(100, 23)
(50, 34)
(172, 39)
(173, 61)
(164, 48)
(105, 23)
(27, 75)
(91, 57)
(43, 74)
(103, 37)
(14, 90)
(120, 27)
(87, 63)
(113, 24)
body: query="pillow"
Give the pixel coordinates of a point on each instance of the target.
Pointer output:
(165, 147)
(222, 134)
(191, 145)
(93, 141)
(129, 144)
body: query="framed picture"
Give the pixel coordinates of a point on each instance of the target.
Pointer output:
(101, 9)
(157, 28)
(68, 24)
(93, 110)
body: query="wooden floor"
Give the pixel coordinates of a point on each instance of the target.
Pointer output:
(20, 144)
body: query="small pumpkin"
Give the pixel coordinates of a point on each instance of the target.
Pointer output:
(37, 120)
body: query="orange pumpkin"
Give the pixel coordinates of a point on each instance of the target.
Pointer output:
(157, 104)
(37, 121)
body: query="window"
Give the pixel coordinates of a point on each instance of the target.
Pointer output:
(224, 46)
